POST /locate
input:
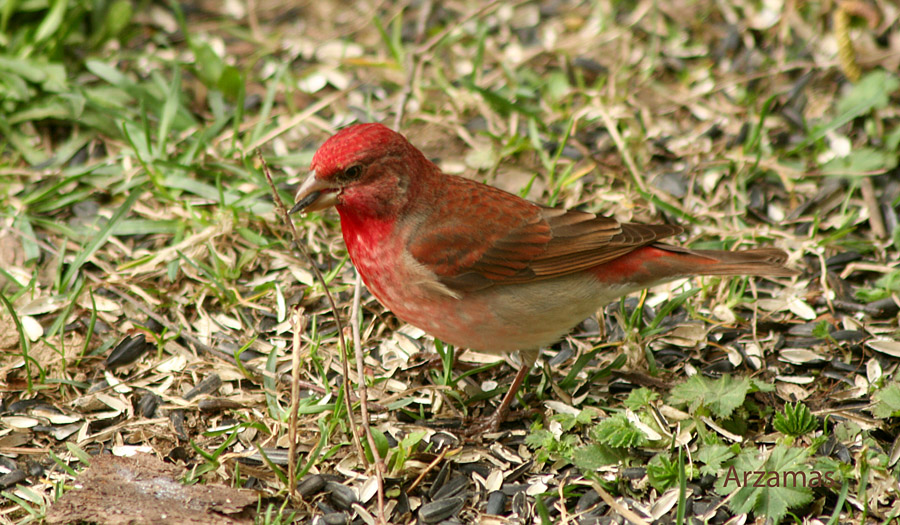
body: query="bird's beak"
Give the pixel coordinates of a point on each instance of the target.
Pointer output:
(314, 195)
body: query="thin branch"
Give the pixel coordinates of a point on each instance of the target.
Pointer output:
(876, 220)
(435, 462)
(413, 64)
(613, 131)
(282, 210)
(298, 324)
(364, 395)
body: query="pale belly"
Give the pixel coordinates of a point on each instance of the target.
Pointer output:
(498, 319)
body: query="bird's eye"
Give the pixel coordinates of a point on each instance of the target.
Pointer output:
(352, 173)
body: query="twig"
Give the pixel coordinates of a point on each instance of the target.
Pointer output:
(754, 325)
(871, 202)
(613, 131)
(629, 160)
(560, 504)
(854, 267)
(298, 324)
(625, 512)
(253, 20)
(364, 395)
(413, 64)
(823, 280)
(431, 466)
(279, 206)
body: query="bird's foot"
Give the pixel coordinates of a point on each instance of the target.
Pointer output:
(491, 424)
(479, 426)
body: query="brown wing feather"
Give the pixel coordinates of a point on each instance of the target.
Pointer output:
(593, 240)
(480, 230)
(481, 236)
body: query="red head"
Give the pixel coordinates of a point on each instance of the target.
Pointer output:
(364, 167)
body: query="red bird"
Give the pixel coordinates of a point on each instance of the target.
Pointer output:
(481, 268)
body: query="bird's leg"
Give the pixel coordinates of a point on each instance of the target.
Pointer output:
(498, 416)
(492, 422)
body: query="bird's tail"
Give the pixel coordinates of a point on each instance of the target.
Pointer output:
(767, 262)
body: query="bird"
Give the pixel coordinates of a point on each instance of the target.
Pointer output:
(484, 269)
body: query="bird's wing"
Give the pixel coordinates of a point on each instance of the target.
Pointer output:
(479, 236)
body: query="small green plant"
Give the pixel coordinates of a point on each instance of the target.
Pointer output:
(713, 456)
(720, 397)
(822, 330)
(886, 285)
(618, 431)
(887, 401)
(593, 457)
(406, 448)
(549, 445)
(640, 399)
(662, 472)
(274, 515)
(795, 420)
(768, 483)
